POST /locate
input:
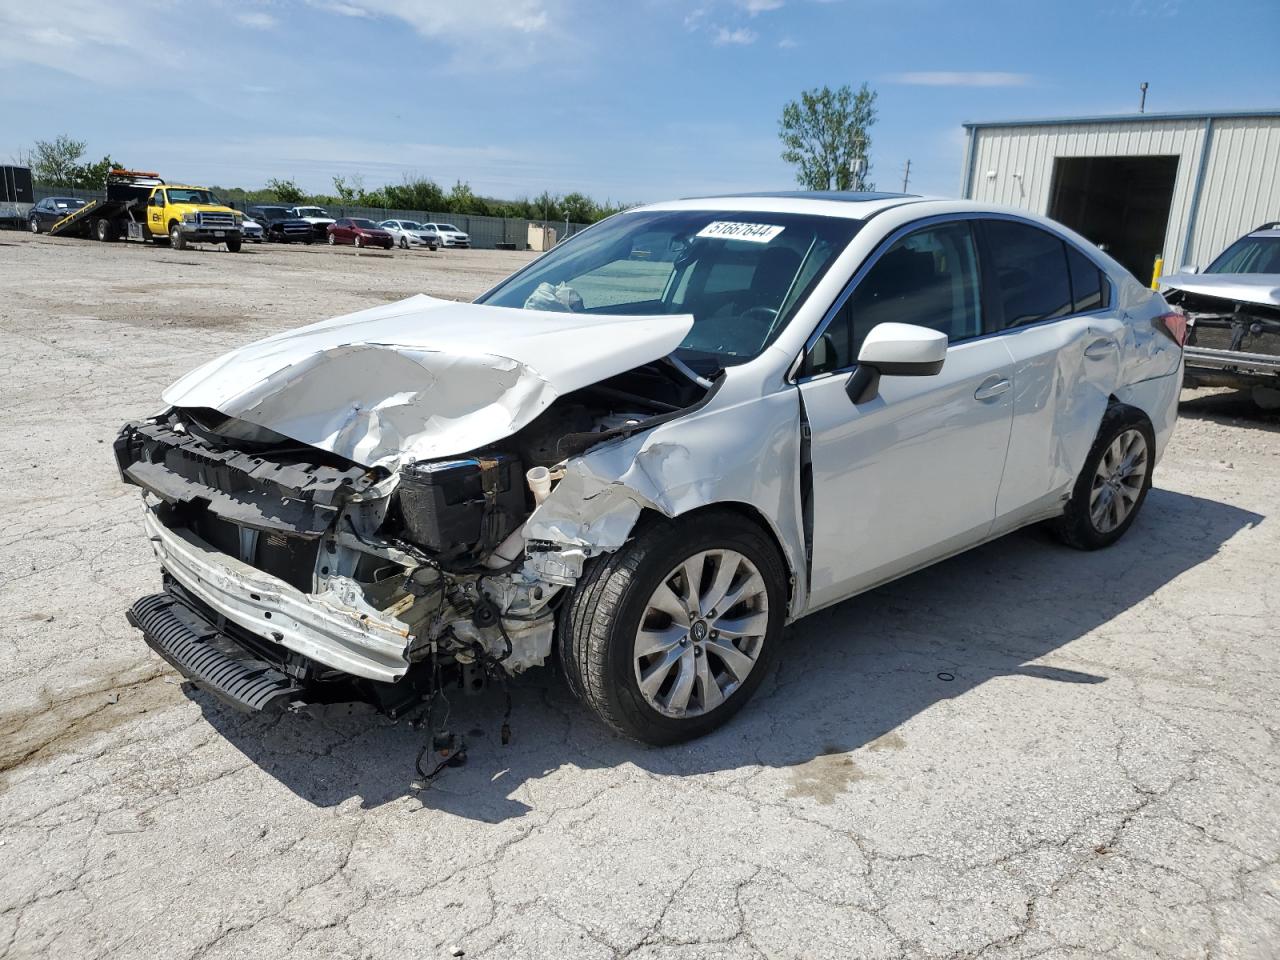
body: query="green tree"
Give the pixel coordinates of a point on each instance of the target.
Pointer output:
(55, 162)
(825, 135)
(346, 192)
(286, 191)
(580, 208)
(93, 176)
(461, 198)
(415, 192)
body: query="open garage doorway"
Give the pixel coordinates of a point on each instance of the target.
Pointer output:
(1120, 203)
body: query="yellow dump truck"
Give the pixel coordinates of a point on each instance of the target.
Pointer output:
(140, 206)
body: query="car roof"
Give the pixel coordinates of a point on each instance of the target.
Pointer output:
(830, 203)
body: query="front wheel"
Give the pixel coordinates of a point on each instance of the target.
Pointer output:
(35, 225)
(177, 239)
(668, 637)
(333, 241)
(358, 243)
(233, 244)
(1113, 484)
(404, 244)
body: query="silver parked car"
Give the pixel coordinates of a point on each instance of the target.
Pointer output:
(646, 452)
(1233, 314)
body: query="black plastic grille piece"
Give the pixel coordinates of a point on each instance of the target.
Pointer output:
(207, 657)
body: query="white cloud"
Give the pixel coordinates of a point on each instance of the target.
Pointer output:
(256, 19)
(93, 41)
(788, 43)
(950, 78)
(739, 37)
(450, 19)
(754, 7)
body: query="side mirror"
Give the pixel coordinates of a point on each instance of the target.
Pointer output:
(1188, 268)
(895, 350)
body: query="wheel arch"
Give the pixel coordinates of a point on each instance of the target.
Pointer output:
(742, 511)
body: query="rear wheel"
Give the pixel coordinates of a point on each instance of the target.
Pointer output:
(104, 230)
(1113, 483)
(668, 637)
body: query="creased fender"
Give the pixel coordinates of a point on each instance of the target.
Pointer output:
(720, 457)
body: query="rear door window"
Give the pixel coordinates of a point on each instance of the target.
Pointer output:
(1089, 287)
(1030, 270)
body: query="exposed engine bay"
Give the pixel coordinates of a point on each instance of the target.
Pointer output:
(372, 571)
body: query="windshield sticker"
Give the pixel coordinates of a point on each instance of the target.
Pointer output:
(728, 230)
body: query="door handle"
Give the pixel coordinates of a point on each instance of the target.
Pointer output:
(991, 388)
(1099, 349)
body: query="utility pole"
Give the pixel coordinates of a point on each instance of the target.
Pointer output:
(1142, 104)
(906, 175)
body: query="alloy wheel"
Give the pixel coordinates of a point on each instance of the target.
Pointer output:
(1118, 480)
(701, 634)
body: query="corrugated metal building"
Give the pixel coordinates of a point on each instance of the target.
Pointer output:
(1178, 186)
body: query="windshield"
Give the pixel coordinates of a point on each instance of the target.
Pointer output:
(313, 212)
(276, 213)
(450, 227)
(186, 195)
(741, 275)
(410, 225)
(1249, 255)
(366, 224)
(63, 203)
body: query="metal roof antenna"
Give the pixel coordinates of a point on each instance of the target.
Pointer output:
(1142, 104)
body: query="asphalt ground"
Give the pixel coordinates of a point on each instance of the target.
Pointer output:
(1021, 752)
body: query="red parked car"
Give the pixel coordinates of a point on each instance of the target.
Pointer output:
(363, 233)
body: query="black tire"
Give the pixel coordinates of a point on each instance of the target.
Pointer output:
(597, 625)
(233, 244)
(404, 243)
(104, 230)
(357, 242)
(177, 239)
(1075, 527)
(35, 225)
(333, 240)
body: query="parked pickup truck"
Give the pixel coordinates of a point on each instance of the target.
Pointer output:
(140, 206)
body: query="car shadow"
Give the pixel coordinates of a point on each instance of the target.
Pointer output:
(1234, 408)
(847, 677)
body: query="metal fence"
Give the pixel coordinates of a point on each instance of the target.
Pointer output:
(486, 232)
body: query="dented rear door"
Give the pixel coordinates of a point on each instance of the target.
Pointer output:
(1066, 337)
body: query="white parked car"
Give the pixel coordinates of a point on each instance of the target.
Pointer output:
(251, 229)
(450, 236)
(646, 452)
(410, 233)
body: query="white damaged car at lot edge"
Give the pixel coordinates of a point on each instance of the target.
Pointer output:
(645, 453)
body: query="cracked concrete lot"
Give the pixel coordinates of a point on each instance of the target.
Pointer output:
(1023, 752)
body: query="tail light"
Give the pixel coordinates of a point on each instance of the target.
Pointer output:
(1173, 325)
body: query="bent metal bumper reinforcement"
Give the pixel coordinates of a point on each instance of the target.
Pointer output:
(200, 653)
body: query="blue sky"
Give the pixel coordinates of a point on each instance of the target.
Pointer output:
(633, 100)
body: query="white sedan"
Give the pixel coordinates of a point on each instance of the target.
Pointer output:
(410, 233)
(647, 452)
(450, 236)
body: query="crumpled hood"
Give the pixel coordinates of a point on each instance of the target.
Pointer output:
(1263, 288)
(421, 378)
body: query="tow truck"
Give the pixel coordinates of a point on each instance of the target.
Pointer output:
(140, 206)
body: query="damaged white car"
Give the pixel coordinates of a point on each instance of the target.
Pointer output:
(645, 453)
